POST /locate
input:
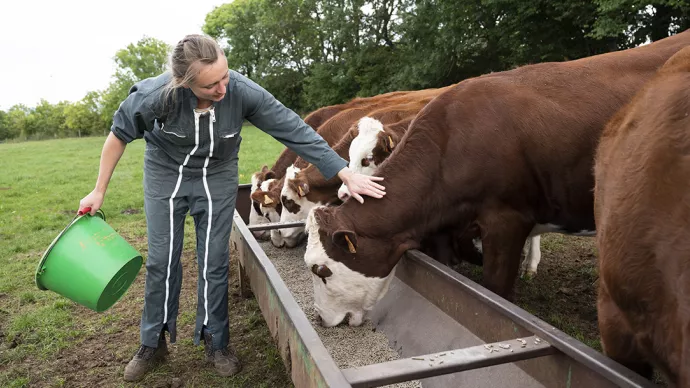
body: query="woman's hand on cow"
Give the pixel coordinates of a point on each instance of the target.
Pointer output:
(359, 184)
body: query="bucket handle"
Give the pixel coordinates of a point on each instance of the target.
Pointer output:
(87, 210)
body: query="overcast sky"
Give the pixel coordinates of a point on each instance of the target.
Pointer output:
(60, 50)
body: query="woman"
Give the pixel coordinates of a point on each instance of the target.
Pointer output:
(191, 118)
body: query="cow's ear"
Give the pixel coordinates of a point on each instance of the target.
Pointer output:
(265, 198)
(258, 196)
(346, 240)
(270, 175)
(303, 189)
(386, 141)
(264, 169)
(299, 187)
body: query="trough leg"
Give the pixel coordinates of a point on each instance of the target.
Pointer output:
(617, 339)
(503, 237)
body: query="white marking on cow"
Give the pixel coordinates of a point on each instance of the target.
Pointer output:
(345, 291)
(362, 147)
(532, 251)
(291, 237)
(477, 242)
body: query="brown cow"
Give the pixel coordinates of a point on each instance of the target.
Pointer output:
(510, 151)
(642, 211)
(304, 188)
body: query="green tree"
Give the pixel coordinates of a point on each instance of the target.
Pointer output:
(16, 120)
(635, 22)
(146, 58)
(4, 127)
(45, 120)
(83, 117)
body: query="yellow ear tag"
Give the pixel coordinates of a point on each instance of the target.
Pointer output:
(390, 141)
(301, 192)
(349, 245)
(267, 200)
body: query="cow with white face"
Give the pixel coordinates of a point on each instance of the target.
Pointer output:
(339, 289)
(267, 197)
(298, 198)
(371, 147)
(256, 214)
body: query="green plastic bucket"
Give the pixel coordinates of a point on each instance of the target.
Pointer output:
(89, 263)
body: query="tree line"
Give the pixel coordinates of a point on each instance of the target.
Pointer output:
(313, 53)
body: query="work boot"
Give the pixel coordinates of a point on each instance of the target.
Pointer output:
(224, 360)
(144, 358)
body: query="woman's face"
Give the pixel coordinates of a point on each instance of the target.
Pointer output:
(212, 80)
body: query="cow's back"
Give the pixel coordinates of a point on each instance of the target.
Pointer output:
(545, 120)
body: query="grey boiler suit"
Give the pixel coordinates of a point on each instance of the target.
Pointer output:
(191, 165)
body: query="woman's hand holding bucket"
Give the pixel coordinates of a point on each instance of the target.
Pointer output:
(92, 202)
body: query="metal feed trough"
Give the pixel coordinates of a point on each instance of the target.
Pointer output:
(439, 321)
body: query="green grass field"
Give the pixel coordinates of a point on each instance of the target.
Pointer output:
(47, 340)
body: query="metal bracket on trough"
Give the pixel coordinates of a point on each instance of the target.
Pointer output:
(275, 225)
(451, 361)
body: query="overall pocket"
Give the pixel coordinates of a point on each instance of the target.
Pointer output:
(177, 135)
(228, 140)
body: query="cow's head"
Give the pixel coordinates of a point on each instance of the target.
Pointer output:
(268, 199)
(368, 150)
(256, 216)
(350, 272)
(296, 205)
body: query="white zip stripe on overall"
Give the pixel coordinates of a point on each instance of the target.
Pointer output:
(211, 120)
(172, 226)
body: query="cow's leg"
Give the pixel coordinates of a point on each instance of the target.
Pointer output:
(684, 368)
(503, 237)
(532, 257)
(684, 371)
(525, 261)
(617, 338)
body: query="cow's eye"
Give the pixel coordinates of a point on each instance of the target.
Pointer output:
(365, 162)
